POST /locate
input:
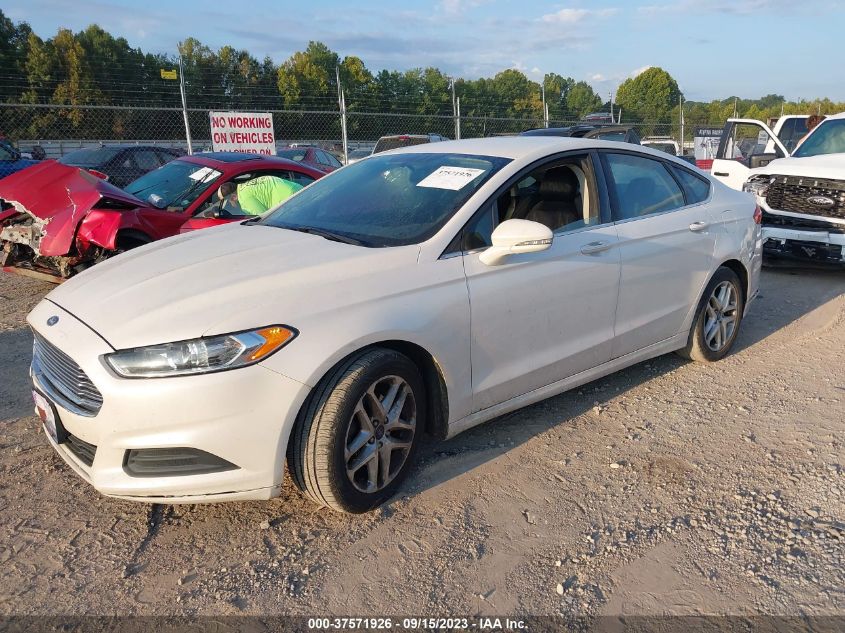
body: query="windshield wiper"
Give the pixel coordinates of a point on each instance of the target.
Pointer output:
(329, 235)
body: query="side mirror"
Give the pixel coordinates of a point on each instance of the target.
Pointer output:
(513, 237)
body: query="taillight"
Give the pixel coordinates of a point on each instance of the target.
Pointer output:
(99, 174)
(758, 215)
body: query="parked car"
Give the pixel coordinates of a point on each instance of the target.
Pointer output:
(11, 160)
(802, 195)
(395, 141)
(192, 370)
(357, 154)
(311, 156)
(65, 219)
(120, 164)
(620, 133)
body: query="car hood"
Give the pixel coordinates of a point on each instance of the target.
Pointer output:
(219, 280)
(831, 166)
(61, 196)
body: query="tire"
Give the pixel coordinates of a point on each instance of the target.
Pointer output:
(706, 344)
(343, 428)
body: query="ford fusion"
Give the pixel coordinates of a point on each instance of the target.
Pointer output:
(420, 291)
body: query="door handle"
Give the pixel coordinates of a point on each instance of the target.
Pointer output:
(724, 174)
(595, 247)
(697, 227)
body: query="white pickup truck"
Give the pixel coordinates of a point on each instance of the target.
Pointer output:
(800, 191)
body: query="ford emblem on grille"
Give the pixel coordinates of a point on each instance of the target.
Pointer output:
(52, 320)
(821, 201)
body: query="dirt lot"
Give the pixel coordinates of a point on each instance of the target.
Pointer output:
(669, 488)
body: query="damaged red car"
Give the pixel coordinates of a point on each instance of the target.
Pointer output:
(57, 220)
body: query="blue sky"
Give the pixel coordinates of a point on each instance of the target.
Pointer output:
(714, 48)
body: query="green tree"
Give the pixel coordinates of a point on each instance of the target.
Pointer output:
(649, 96)
(582, 99)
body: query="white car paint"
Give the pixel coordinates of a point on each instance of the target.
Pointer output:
(502, 336)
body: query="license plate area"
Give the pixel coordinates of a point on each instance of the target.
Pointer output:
(46, 410)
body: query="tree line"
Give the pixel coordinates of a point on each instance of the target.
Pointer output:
(94, 68)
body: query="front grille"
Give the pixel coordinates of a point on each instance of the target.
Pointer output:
(83, 450)
(64, 380)
(792, 193)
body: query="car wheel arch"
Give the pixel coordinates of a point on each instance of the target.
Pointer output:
(130, 238)
(741, 271)
(437, 397)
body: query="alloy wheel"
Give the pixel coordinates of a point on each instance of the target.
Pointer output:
(721, 316)
(380, 434)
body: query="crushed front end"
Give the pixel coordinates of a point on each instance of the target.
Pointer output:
(56, 220)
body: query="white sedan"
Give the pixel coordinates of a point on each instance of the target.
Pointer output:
(424, 290)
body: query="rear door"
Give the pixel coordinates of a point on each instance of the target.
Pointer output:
(745, 145)
(667, 239)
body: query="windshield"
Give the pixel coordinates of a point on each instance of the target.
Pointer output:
(360, 153)
(392, 142)
(292, 154)
(174, 185)
(827, 138)
(388, 200)
(90, 157)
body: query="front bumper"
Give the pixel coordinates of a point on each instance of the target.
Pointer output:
(819, 247)
(243, 416)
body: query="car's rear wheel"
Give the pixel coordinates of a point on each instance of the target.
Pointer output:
(716, 324)
(357, 436)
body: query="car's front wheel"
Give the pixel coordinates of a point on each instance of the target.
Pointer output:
(716, 324)
(357, 436)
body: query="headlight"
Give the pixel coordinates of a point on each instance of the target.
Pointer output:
(201, 355)
(758, 185)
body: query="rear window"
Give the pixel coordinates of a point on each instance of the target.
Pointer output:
(292, 154)
(392, 142)
(90, 157)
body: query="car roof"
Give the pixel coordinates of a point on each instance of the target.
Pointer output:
(501, 146)
(217, 159)
(527, 148)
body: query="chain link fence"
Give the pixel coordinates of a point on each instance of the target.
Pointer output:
(59, 129)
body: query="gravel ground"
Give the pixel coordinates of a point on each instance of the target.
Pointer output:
(668, 488)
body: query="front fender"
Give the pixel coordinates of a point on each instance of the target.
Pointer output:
(98, 228)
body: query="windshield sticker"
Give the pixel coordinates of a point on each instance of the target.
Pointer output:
(454, 178)
(204, 173)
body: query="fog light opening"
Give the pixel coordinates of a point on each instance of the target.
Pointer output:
(173, 462)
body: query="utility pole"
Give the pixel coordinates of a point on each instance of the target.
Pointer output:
(458, 120)
(545, 109)
(184, 103)
(735, 113)
(611, 107)
(681, 108)
(455, 111)
(341, 104)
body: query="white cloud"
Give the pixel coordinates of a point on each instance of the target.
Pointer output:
(457, 7)
(597, 77)
(638, 71)
(574, 16)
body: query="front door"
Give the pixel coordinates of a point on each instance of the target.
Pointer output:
(541, 317)
(745, 144)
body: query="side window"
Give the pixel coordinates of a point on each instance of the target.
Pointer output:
(333, 162)
(164, 157)
(299, 178)
(146, 160)
(745, 141)
(640, 186)
(212, 204)
(696, 187)
(562, 195)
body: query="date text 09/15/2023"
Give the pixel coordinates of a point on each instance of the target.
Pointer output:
(416, 623)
